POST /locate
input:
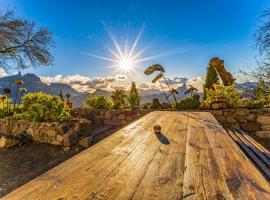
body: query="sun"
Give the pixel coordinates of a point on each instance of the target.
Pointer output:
(125, 64)
(124, 57)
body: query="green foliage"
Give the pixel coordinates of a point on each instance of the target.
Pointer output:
(118, 98)
(156, 104)
(262, 91)
(42, 107)
(98, 102)
(253, 104)
(227, 93)
(116, 105)
(192, 102)
(133, 98)
(211, 78)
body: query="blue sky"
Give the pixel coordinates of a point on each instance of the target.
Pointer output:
(188, 32)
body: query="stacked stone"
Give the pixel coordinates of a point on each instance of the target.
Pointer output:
(253, 121)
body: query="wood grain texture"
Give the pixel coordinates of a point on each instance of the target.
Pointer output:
(193, 158)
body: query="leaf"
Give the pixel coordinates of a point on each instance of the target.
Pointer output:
(153, 68)
(157, 78)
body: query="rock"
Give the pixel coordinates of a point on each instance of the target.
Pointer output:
(121, 116)
(51, 133)
(221, 119)
(86, 142)
(227, 113)
(70, 138)
(263, 120)
(66, 149)
(250, 127)
(59, 139)
(263, 134)
(251, 117)
(7, 142)
(235, 125)
(230, 119)
(265, 127)
(242, 112)
(108, 115)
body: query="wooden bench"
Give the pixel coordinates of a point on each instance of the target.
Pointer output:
(256, 152)
(193, 158)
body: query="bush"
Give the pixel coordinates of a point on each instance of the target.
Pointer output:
(98, 102)
(227, 93)
(189, 102)
(42, 107)
(155, 104)
(116, 105)
(253, 104)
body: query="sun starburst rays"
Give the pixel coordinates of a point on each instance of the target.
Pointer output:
(125, 58)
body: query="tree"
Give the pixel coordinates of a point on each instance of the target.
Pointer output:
(133, 98)
(22, 44)
(118, 96)
(260, 88)
(211, 78)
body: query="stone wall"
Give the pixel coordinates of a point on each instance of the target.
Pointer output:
(115, 117)
(44, 132)
(253, 121)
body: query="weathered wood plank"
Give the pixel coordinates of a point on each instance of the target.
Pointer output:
(203, 178)
(242, 178)
(253, 153)
(164, 178)
(255, 144)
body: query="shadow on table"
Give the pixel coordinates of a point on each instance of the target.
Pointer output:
(162, 138)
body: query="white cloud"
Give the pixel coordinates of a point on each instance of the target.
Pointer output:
(197, 83)
(85, 84)
(119, 81)
(2, 72)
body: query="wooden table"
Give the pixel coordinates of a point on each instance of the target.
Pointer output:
(193, 158)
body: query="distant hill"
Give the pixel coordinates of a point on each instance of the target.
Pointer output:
(34, 84)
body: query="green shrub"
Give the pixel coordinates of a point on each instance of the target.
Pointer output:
(227, 93)
(188, 102)
(253, 104)
(98, 102)
(42, 107)
(155, 104)
(116, 105)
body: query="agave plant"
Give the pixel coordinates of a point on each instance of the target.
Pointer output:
(118, 96)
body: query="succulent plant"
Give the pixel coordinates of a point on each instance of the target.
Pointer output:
(19, 82)
(22, 90)
(3, 97)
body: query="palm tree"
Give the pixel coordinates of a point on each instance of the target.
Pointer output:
(119, 96)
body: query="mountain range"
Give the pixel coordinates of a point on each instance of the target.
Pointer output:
(34, 84)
